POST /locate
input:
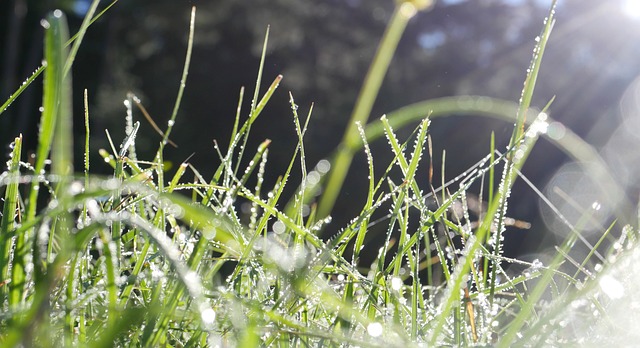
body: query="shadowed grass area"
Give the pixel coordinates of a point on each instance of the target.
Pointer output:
(141, 259)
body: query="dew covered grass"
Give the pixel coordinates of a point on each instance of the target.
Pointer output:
(153, 258)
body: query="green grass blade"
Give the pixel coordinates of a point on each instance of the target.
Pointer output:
(510, 337)
(77, 38)
(571, 144)
(362, 231)
(236, 123)
(402, 13)
(9, 214)
(55, 102)
(22, 88)
(62, 147)
(256, 91)
(254, 105)
(532, 76)
(516, 137)
(183, 79)
(42, 68)
(263, 102)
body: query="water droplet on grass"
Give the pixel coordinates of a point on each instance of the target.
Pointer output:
(374, 329)
(323, 166)
(536, 264)
(210, 232)
(279, 227)
(396, 283)
(75, 188)
(313, 178)
(208, 316)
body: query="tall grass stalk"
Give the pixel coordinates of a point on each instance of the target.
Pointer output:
(402, 13)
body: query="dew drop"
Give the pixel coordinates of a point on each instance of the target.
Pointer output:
(76, 188)
(279, 227)
(313, 178)
(208, 316)
(374, 329)
(536, 264)
(323, 166)
(396, 283)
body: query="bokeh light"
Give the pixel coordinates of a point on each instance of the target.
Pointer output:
(616, 293)
(575, 202)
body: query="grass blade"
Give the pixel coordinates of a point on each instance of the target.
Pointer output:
(10, 212)
(42, 68)
(402, 13)
(183, 79)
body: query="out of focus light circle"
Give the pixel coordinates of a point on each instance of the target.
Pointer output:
(630, 105)
(620, 150)
(623, 162)
(556, 130)
(631, 8)
(574, 200)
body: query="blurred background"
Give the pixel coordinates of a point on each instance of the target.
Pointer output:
(323, 48)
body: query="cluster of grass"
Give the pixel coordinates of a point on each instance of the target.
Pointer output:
(141, 259)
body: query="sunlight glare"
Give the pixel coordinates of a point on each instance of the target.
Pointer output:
(631, 8)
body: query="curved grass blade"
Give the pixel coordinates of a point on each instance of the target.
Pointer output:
(9, 213)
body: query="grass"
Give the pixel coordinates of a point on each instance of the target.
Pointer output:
(140, 259)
